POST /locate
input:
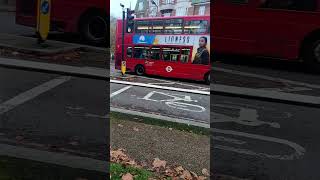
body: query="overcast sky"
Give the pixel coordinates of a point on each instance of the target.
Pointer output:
(115, 8)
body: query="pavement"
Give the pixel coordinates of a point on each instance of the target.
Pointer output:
(261, 139)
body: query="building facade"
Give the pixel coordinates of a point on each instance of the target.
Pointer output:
(154, 8)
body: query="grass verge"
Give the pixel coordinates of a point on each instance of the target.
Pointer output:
(118, 170)
(114, 116)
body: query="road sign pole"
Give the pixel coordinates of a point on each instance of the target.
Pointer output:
(43, 19)
(123, 63)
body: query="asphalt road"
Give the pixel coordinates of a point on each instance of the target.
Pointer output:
(262, 140)
(174, 104)
(61, 111)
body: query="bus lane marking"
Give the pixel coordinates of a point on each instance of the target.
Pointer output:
(299, 151)
(120, 91)
(177, 101)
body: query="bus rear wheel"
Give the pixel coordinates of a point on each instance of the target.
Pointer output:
(93, 28)
(139, 70)
(311, 56)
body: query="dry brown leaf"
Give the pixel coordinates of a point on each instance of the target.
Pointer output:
(120, 125)
(127, 176)
(205, 172)
(186, 175)
(135, 129)
(157, 163)
(179, 169)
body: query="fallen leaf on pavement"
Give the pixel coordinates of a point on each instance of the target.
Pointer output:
(186, 175)
(127, 176)
(120, 125)
(135, 129)
(157, 163)
(205, 172)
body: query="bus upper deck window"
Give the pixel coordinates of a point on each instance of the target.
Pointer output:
(157, 26)
(195, 27)
(142, 26)
(173, 26)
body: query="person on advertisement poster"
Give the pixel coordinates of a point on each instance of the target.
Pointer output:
(202, 55)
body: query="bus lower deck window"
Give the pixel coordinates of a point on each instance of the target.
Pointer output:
(185, 53)
(170, 54)
(140, 52)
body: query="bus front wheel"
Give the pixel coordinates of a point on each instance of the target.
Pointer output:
(93, 28)
(139, 70)
(311, 55)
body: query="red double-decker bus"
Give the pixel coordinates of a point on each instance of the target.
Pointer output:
(285, 29)
(176, 47)
(87, 17)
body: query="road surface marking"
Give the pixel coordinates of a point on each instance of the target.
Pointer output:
(177, 101)
(299, 151)
(119, 91)
(161, 87)
(187, 121)
(32, 93)
(270, 78)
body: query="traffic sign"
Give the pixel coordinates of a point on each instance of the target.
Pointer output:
(43, 18)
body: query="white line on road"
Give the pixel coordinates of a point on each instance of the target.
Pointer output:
(192, 122)
(160, 87)
(32, 93)
(120, 91)
(315, 86)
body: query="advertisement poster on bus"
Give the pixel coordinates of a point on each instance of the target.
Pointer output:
(199, 43)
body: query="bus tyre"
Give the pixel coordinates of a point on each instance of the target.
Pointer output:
(93, 28)
(311, 56)
(207, 78)
(139, 70)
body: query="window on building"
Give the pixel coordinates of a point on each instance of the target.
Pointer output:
(140, 6)
(155, 53)
(129, 52)
(170, 54)
(169, 1)
(185, 54)
(140, 52)
(195, 27)
(202, 10)
(181, 11)
(173, 26)
(299, 5)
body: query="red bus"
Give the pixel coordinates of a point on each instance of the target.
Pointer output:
(87, 17)
(176, 47)
(283, 29)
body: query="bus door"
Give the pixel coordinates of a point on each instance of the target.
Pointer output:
(153, 62)
(170, 66)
